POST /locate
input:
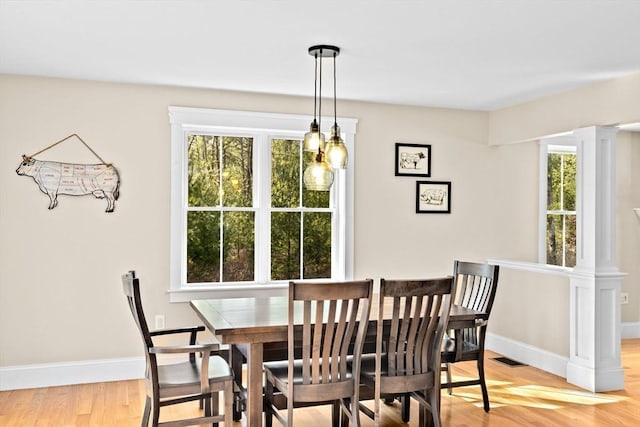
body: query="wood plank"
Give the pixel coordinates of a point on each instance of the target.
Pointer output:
(519, 396)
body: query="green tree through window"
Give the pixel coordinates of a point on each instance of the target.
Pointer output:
(221, 217)
(241, 220)
(561, 207)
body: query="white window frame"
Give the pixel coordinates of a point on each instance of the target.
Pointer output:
(185, 120)
(567, 144)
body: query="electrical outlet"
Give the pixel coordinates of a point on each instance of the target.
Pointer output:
(624, 297)
(159, 321)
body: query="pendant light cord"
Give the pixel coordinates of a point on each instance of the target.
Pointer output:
(320, 106)
(315, 86)
(335, 114)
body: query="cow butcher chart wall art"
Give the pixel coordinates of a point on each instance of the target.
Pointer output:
(53, 178)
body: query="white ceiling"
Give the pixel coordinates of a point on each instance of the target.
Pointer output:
(468, 54)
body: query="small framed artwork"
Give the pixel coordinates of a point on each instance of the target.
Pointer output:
(413, 159)
(433, 197)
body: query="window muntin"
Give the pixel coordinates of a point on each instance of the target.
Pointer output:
(560, 222)
(270, 135)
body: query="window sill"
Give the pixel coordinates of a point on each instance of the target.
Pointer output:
(533, 266)
(187, 294)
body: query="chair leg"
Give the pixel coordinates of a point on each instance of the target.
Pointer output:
(354, 412)
(228, 404)
(335, 413)
(215, 406)
(448, 372)
(483, 384)
(155, 413)
(434, 401)
(268, 410)
(146, 413)
(235, 361)
(405, 402)
(207, 407)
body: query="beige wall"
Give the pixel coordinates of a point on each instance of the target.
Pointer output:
(60, 270)
(628, 224)
(611, 102)
(532, 308)
(616, 101)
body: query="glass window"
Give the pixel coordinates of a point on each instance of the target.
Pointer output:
(240, 214)
(560, 222)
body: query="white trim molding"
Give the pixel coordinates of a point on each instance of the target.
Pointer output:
(630, 330)
(526, 353)
(261, 126)
(65, 373)
(130, 368)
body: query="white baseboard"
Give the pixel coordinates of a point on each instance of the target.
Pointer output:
(55, 374)
(525, 353)
(630, 330)
(92, 371)
(542, 359)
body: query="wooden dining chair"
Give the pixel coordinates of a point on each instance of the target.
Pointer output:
(476, 285)
(197, 379)
(334, 319)
(407, 358)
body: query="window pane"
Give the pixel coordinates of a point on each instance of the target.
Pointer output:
(238, 253)
(570, 241)
(203, 187)
(285, 245)
(317, 245)
(554, 175)
(561, 240)
(554, 239)
(313, 199)
(237, 172)
(285, 173)
(203, 249)
(569, 182)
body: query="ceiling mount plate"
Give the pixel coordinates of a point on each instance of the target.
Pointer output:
(324, 50)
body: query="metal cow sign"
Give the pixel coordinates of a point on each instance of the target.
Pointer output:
(53, 178)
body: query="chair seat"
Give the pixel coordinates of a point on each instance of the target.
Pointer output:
(392, 384)
(368, 365)
(184, 378)
(448, 354)
(279, 371)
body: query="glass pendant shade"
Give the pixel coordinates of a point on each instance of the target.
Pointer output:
(314, 139)
(335, 150)
(319, 175)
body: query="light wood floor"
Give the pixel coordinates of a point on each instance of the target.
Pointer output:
(520, 396)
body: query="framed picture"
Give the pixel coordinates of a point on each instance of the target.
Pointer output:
(413, 159)
(433, 197)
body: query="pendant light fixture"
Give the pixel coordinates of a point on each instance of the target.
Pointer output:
(314, 138)
(335, 150)
(319, 175)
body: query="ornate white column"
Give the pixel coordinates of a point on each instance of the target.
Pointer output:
(594, 359)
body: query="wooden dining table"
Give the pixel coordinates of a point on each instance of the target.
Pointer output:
(256, 328)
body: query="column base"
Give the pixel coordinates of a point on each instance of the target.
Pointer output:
(595, 380)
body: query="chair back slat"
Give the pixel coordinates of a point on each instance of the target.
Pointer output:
(417, 323)
(476, 285)
(331, 314)
(328, 342)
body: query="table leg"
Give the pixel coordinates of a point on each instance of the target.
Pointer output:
(254, 385)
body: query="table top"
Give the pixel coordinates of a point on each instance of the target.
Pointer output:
(264, 319)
